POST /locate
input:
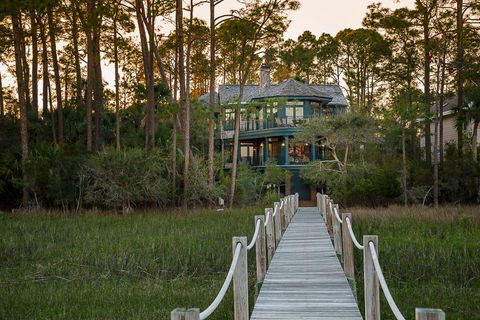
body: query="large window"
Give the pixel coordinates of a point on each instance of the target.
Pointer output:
(299, 153)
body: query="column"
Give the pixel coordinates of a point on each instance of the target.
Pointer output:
(265, 150)
(314, 151)
(286, 150)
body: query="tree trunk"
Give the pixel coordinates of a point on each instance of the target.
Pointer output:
(90, 74)
(442, 100)
(435, 140)
(56, 72)
(426, 90)
(17, 39)
(45, 76)
(151, 110)
(460, 71)
(98, 87)
(404, 169)
(236, 142)
(211, 121)
(26, 71)
(52, 112)
(183, 98)
(34, 63)
(2, 108)
(76, 54)
(474, 140)
(117, 86)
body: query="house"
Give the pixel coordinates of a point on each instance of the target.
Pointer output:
(448, 125)
(271, 114)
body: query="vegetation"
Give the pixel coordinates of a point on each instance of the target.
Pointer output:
(429, 257)
(140, 266)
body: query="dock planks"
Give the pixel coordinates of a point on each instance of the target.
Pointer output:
(305, 279)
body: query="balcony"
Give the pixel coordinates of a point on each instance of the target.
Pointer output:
(261, 124)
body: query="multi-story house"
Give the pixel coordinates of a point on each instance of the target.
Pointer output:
(271, 115)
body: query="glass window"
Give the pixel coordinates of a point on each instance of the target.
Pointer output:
(299, 113)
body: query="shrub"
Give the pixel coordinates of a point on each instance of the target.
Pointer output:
(126, 178)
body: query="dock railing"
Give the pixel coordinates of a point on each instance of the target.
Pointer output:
(268, 231)
(341, 231)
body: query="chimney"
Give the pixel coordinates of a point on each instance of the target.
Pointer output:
(264, 77)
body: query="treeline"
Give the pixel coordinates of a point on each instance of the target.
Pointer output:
(60, 120)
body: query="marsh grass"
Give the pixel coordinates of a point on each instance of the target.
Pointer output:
(141, 266)
(430, 257)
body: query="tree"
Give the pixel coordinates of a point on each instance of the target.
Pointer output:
(258, 22)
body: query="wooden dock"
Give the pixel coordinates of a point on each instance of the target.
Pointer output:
(305, 279)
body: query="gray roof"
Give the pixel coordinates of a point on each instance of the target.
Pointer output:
(228, 93)
(293, 88)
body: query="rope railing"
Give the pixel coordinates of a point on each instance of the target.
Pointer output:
(352, 235)
(383, 283)
(255, 235)
(266, 236)
(341, 231)
(214, 305)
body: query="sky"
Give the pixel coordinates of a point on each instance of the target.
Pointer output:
(318, 16)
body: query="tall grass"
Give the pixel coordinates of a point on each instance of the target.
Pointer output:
(110, 267)
(430, 257)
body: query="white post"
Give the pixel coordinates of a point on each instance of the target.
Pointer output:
(177, 314)
(278, 224)
(348, 262)
(371, 285)
(337, 231)
(321, 201)
(429, 314)
(240, 281)
(269, 230)
(283, 213)
(260, 254)
(192, 314)
(329, 218)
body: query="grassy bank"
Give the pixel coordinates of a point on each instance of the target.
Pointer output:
(117, 267)
(430, 258)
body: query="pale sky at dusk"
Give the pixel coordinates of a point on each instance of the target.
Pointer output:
(318, 16)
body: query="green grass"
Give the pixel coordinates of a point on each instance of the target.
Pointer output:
(117, 267)
(430, 258)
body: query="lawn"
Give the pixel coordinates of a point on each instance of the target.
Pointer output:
(143, 265)
(430, 258)
(117, 267)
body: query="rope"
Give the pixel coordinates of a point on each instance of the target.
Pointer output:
(275, 211)
(336, 214)
(205, 313)
(255, 235)
(381, 279)
(352, 235)
(267, 218)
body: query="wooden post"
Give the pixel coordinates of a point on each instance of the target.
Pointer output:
(277, 224)
(329, 218)
(192, 314)
(337, 232)
(240, 281)
(283, 214)
(261, 258)
(371, 285)
(177, 314)
(322, 207)
(348, 262)
(429, 314)
(269, 230)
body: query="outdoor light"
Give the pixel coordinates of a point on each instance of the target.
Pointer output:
(283, 144)
(261, 144)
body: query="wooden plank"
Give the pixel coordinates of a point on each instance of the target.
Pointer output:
(269, 230)
(260, 252)
(277, 223)
(348, 262)
(429, 314)
(305, 279)
(370, 278)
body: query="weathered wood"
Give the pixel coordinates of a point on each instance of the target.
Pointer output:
(260, 251)
(322, 207)
(269, 230)
(192, 314)
(337, 231)
(283, 214)
(305, 279)
(177, 314)
(240, 281)
(278, 224)
(348, 262)
(371, 284)
(329, 218)
(429, 314)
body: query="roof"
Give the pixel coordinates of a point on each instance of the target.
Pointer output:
(448, 105)
(293, 88)
(228, 93)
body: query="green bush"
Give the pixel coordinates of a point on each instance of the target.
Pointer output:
(123, 179)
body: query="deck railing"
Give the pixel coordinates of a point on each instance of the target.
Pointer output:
(341, 232)
(269, 229)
